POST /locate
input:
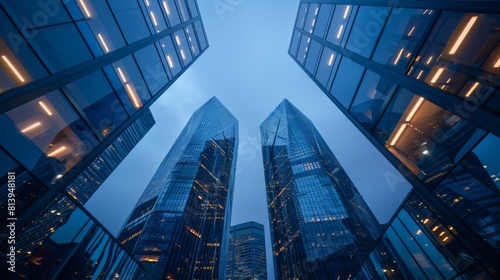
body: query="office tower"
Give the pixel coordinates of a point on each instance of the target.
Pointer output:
(247, 252)
(76, 81)
(179, 228)
(420, 80)
(321, 227)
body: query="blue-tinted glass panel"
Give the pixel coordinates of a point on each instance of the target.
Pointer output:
(193, 9)
(472, 190)
(322, 19)
(96, 97)
(294, 46)
(301, 16)
(182, 44)
(46, 136)
(328, 62)
(339, 23)
(130, 19)
(200, 33)
(170, 52)
(312, 12)
(346, 81)
(150, 65)
(400, 37)
(312, 56)
(170, 9)
(366, 29)
(18, 64)
(370, 97)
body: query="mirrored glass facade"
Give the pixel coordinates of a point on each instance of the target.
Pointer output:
(420, 80)
(76, 81)
(321, 227)
(179, 229)
(247, 252)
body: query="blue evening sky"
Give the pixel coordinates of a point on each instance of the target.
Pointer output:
(248, 69)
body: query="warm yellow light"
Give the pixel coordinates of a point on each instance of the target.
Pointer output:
(497, 64)
(463, 34)
(429, 60)
(183, 55)
(170, 63)
(442, 233)
(398, 57)
(420, 74)
(435, 228)
(346, 11)
(165, 5)
(330, 61)
(471, 90)
(102, 42)
(436, 76)
(45, 108)
(121, 75)
(426, 221)
(13, 69)
(153, 18)
(411, 31)
(446, 238)
(398, 134)
(85, 8)
(340, 31)
(31, 127)
(133, 96)
(419, 232)
(414, 109)
(408, 54)
(178, 40)
(59, 150)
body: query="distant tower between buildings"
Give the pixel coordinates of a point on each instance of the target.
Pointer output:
(247, 252)
(179, 229)
(321, 227)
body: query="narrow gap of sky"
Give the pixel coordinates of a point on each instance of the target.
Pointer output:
(247, 67)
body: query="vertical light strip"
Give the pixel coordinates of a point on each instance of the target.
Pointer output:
(420, 74)
(346, 11)
(463, 34)
(121, 75)
(57, 151)
(398, 134)
(183, 55)
(132, 95)
(45, 108)
(414, 109)
(102, 42)
(165, 5)
(398, 57)
(85, 9)
(178, 40)
(411, 31)
(316, 11)
(330, 61)
(436, 76)
(31, 127)
(147, 3)
(429, 60)
(169, 60)
(153, 18)
(340, 31)
(471, 90)
(13, 69)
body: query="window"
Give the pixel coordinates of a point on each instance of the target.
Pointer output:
(47, 136)
(346, 81)
(130, 19)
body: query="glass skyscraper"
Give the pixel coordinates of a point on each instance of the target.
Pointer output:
(179, 228)
(321, 227)
(247, 252)
(77, 79)
(420, 80)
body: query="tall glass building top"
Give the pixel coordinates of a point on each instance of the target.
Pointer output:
(247, 252)
(420, 80)
(321, 227)
(180, 226)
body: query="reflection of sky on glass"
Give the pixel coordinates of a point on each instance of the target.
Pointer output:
(488, 152)
(247, 67)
